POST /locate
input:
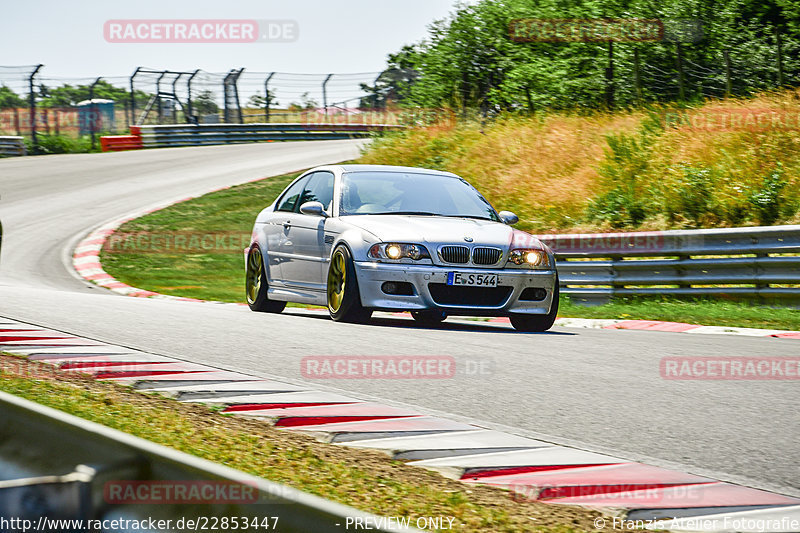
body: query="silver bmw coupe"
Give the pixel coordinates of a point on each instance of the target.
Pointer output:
(359, 238)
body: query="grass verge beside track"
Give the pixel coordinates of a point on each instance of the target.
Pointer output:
(219, 275)
(367, 480)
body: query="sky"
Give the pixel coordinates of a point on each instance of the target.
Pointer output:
(334, 35)
(341, 36)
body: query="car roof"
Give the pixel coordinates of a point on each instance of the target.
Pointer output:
(393, 168)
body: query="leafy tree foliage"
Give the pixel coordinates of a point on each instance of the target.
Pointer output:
(470, 59)
(204, 103)
(9, 98)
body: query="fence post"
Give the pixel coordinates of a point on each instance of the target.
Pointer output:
(679, 65)
(190, 119)
(226, 97)
(266, 96)
(32, 109)
(236, 95)
(133, 97)
(230, 93)
(780, 56)
(93, 107)
(728, 87)
(158, 97)
(637, 76)
(325, 94)
(175, 92)
(610, 76)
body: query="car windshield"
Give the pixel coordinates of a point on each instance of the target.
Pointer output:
(407, 193)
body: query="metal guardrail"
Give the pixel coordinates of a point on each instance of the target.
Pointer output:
(12, 145)
(760, 263)
(57, 466)
(211, 134)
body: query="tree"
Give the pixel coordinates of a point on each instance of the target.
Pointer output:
(470, 60)
(69, 95)
(306, 102)
(10, 99)
(259, 100)
(204, 103)
(393, 85)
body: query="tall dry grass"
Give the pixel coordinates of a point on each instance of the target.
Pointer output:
(653, 169)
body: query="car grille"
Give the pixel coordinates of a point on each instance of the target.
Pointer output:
(454, 254)
(486, 256)
(469, 296)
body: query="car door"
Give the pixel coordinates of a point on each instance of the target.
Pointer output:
(280, 246)
(307, 265)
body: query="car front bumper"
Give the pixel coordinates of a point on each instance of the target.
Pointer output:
(372, 276)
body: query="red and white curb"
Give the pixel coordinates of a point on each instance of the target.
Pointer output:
(530, 469)
(676, 327)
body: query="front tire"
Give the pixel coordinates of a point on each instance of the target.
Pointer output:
(256, 288)
(344, 300)
(531, 323)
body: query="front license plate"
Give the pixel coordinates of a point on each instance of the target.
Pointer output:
(471, 279)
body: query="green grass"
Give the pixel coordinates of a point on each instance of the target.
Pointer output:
(365, 479)
(220, 276)
(208, 276)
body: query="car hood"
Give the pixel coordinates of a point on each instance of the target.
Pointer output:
(435, 230)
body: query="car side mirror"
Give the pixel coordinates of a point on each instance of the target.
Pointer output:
(506, 217)
(314, 209)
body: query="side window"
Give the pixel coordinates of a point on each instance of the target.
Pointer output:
(288, 201)
(319, 189)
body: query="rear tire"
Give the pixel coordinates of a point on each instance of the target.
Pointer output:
(256, 288)
(531, 323)
(344, 299)
(429, 318)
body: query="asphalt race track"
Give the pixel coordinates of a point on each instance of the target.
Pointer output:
(595, 389)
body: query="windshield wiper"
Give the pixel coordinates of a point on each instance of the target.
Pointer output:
(468, 216)
(421, 213)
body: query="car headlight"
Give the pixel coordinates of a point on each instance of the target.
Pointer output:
(529, 257)
(397, 251)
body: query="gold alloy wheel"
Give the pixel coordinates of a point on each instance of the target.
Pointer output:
(255, 273)
(336, 281)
